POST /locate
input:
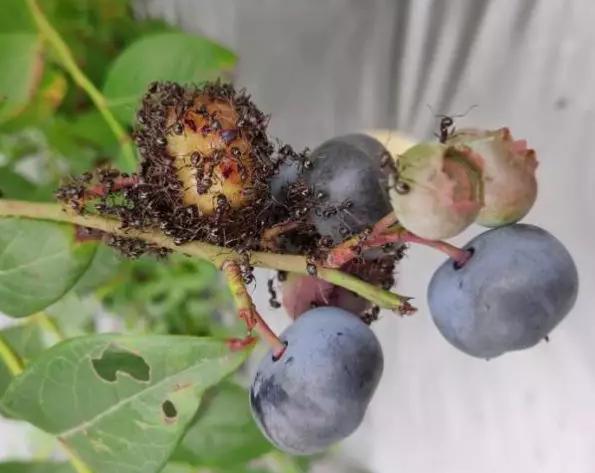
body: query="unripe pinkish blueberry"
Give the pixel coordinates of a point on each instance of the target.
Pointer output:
(439, 190)
(508, 169)
(302, 292)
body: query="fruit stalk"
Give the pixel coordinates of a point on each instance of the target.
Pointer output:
(353, 247)
(215, 254)
(458, 255)
(246, 309)
(379, 296)
(12, 361)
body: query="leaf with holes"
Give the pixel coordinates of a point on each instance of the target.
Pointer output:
(177, 57)
(39, 262)
(35, 467)
(223, 432)
(120, 403)
(21, 64)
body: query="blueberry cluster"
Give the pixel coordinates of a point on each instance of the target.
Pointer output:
(209, 172)
(506, 290)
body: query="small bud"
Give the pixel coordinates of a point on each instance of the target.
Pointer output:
(439, 190)
(508, 167)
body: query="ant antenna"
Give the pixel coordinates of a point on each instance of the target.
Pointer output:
(447, 125)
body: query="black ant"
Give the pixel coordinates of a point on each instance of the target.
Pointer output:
(221, 206)
(273, 302)
(371, 314)
(447, 128)
(246, 269)
(311, 266)
(447, 124)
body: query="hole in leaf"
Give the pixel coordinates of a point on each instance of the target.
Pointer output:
(169, 409)
(115, 359)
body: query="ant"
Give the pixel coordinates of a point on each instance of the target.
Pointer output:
(246, 269)
(447, 124)
(371, 314)
(273, 302)
(222, 204)
(311, 268)
(447, 128)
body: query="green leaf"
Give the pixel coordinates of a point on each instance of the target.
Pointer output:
(26, 341)
(178, 57)
(42, 106)
(39, 262)
(223, 432)
(77, 153)
(120, 403)
(102, 269)
(13, 185)
(21, 68)
(35, 467)
(179, 295)
(15, 17)
(90, 128)
(73, 315)
(174, 467)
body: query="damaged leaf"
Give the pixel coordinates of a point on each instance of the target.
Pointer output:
(120, 403)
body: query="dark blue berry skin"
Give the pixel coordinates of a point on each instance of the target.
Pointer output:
(518, 285)
(349, 189)
(288, 173)
(373, 148)
(317, 392)
(349, 184)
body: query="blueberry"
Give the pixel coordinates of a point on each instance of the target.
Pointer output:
(508, 174)
(518, 285)
(288, 173)
(317, 392)
(299, 293)
(439, 192)
(373, 148)
(349, 182)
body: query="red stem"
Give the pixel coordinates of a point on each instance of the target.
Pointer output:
(246, 309)
(458, 255)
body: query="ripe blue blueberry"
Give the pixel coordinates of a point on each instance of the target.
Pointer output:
(317, 392)
(518, 285)
(348, 184)
(375, 151)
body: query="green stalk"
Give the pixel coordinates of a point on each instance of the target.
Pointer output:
(215, 254)
(12, 360)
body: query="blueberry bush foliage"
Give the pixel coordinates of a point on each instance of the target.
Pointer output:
(72, 73)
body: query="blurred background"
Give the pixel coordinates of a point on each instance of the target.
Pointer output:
(322, 68)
